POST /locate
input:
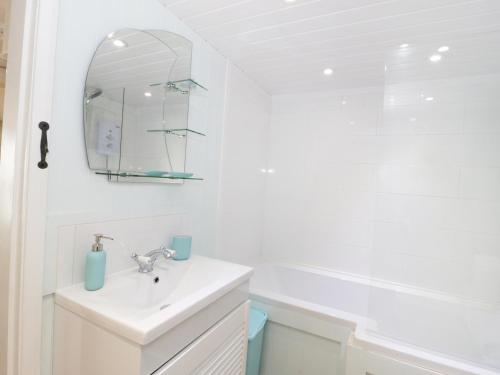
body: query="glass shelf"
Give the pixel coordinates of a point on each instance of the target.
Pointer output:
(184, 86)
(143, 175)
(178, 132)
(188, 84)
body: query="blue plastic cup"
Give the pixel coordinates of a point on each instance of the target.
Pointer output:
(182, 247)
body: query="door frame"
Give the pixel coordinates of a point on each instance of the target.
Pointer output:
(23, 186)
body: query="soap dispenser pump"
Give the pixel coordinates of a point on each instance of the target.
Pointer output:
(95, 265)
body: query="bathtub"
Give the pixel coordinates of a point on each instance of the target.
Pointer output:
(380, 321)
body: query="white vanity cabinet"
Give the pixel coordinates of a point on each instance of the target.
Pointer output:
(198, 327)
(81, 348)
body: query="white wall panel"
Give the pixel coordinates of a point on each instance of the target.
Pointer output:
(76, 195)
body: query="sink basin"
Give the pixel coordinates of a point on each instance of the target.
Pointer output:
(139, 295)
(142, 307)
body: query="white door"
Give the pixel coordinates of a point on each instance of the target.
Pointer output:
(23, 185)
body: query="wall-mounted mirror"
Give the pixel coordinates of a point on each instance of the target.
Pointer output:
(136, 106)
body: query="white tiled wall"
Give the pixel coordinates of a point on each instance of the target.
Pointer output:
(383, 183)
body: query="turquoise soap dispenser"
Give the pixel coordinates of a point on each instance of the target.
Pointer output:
(95, 264)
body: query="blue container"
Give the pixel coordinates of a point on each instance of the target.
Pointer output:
(256, 324)
(182, 247)
(95, 269)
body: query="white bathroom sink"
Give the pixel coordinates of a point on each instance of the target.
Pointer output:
(142, 307)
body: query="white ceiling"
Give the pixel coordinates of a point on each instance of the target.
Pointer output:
(286, 46)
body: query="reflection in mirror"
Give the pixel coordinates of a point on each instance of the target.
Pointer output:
(136, 105)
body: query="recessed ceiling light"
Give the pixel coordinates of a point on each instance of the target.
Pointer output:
(435, 58)
(344, 102)
(290, 1)
(328, 71)
(444, 49)
(119, 43)
(429, 98)
(404, 45)
(148, 94)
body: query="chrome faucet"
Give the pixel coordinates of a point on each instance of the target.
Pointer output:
(147, 261)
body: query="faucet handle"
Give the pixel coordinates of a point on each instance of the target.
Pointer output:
(145, 263)
(168, 253)
(141, 259)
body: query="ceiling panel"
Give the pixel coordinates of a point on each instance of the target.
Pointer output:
(393, 13)
(285, 46)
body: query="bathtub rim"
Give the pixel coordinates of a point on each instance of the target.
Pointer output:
(361, 336)
(384, 284)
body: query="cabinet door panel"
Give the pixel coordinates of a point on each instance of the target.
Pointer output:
(220, 351)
